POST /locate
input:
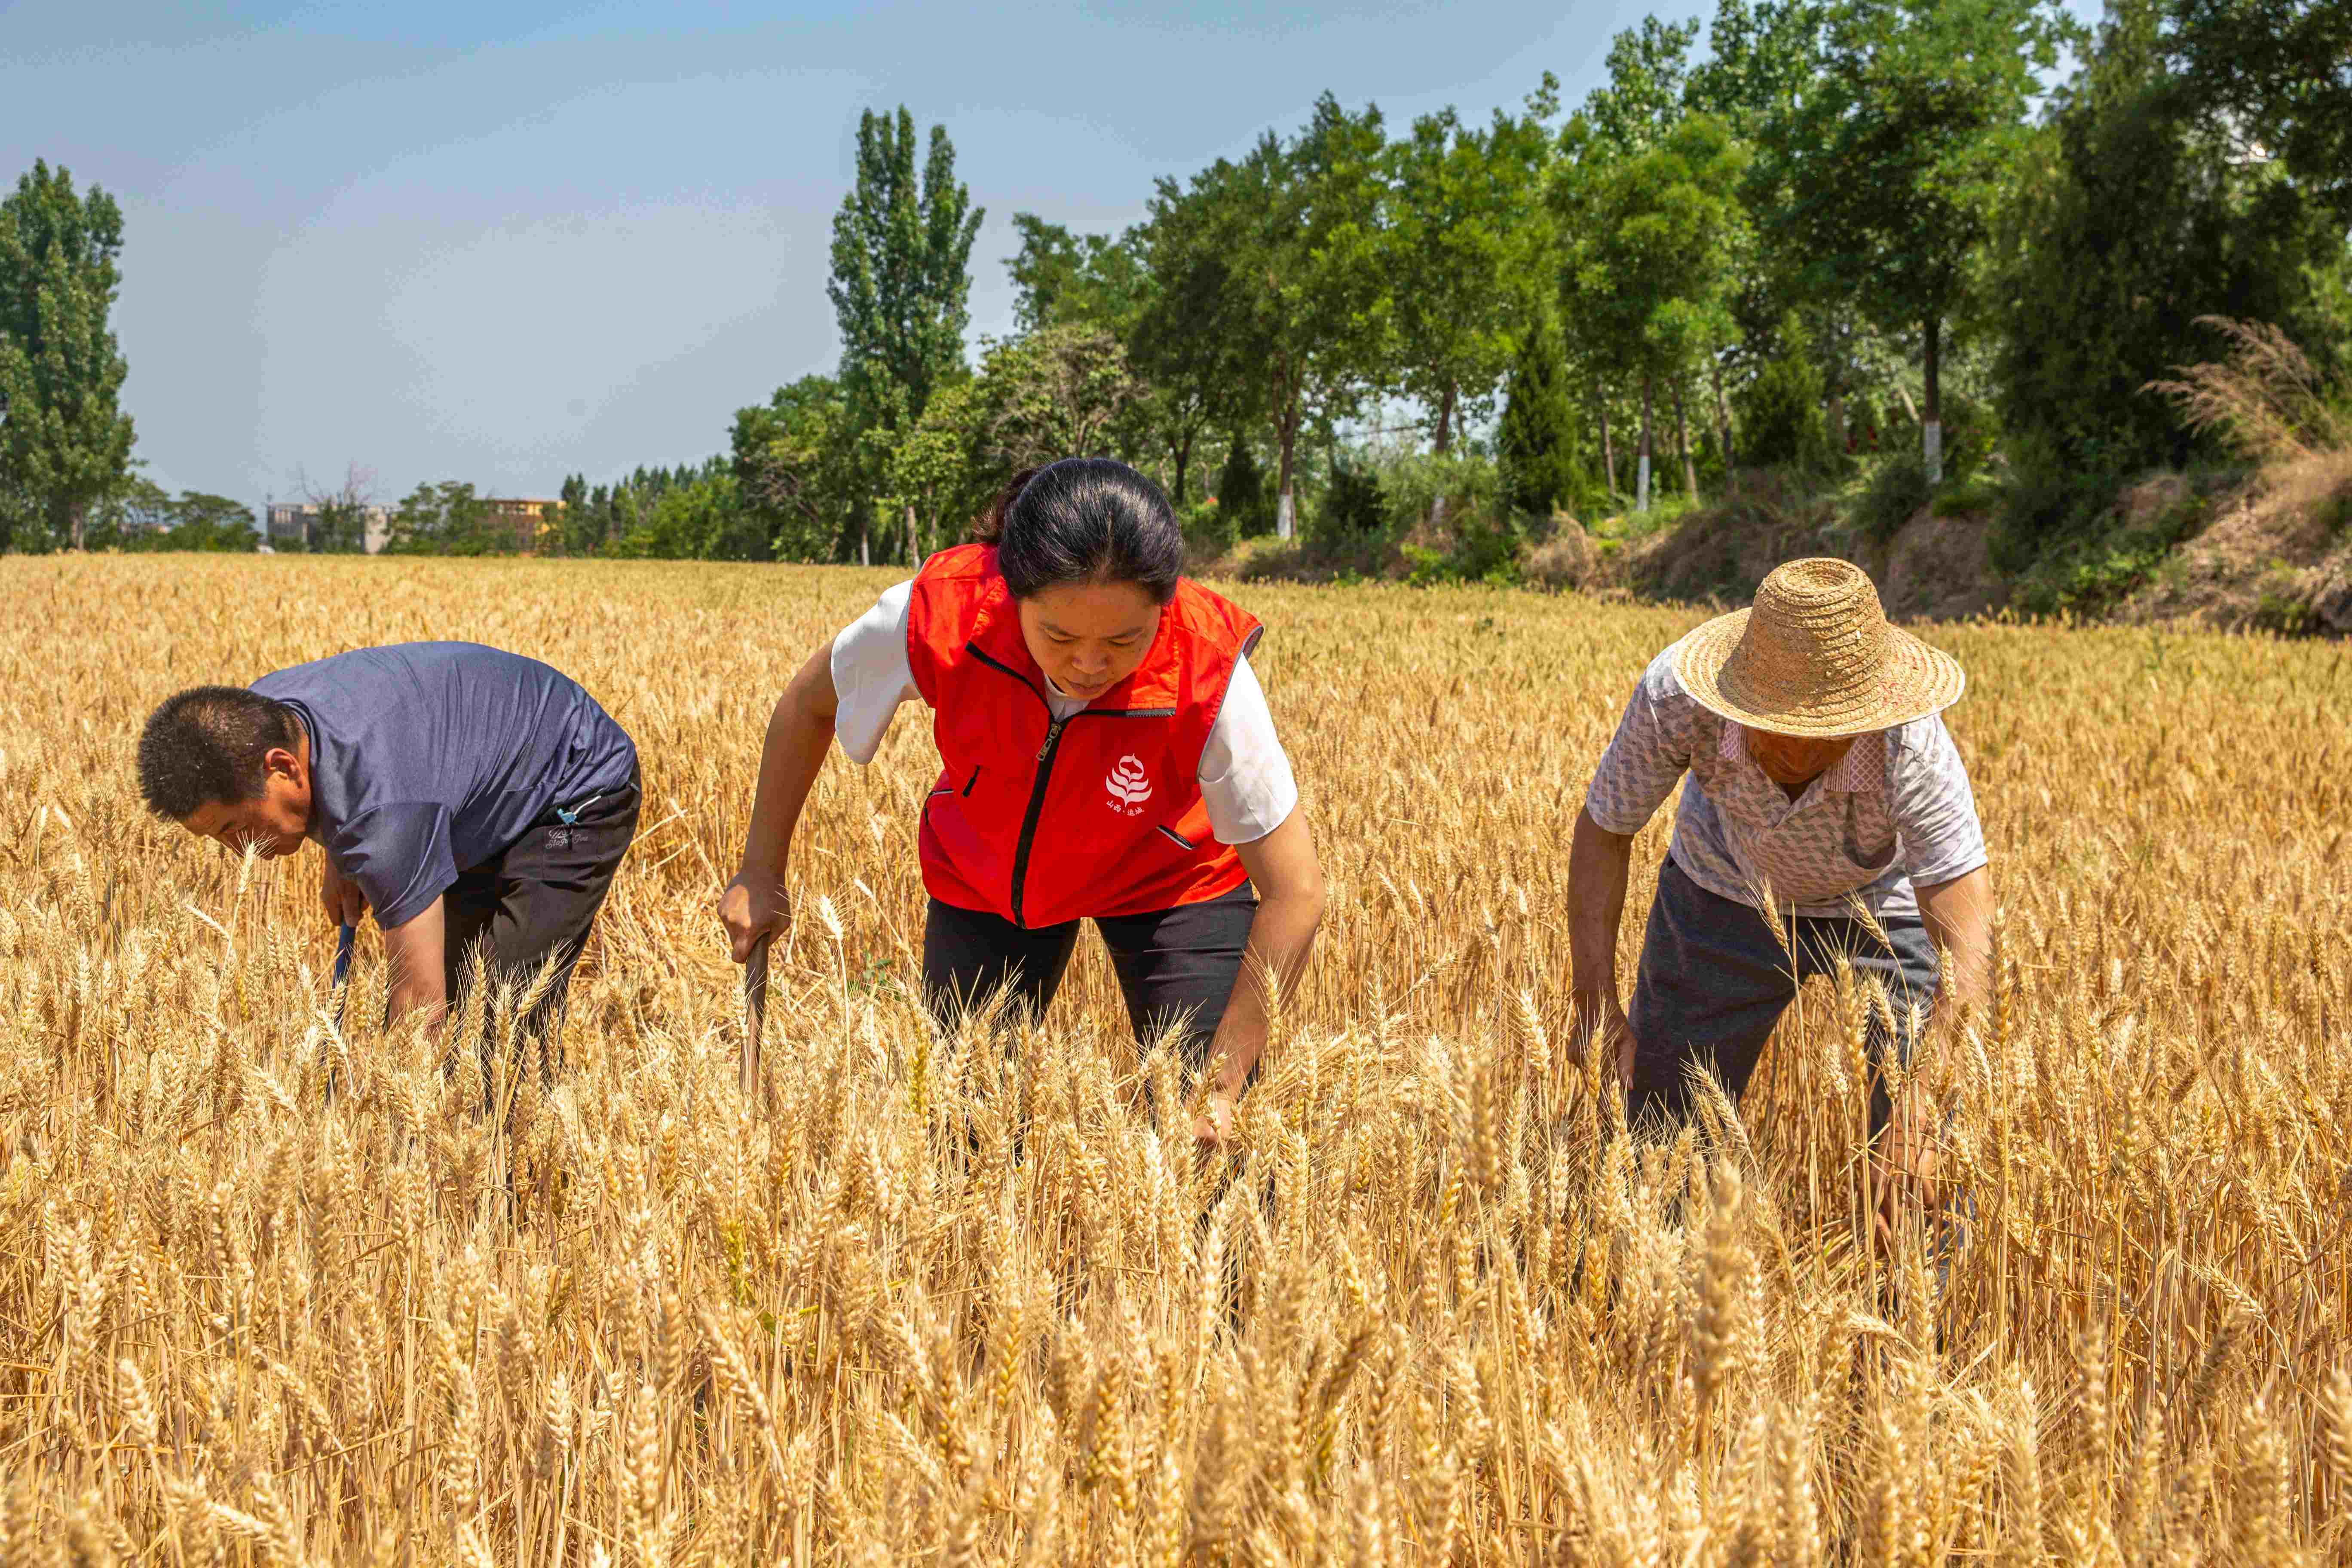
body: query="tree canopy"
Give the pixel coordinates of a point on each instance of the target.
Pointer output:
(64, 441)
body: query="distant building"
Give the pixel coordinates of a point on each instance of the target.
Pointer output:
(523, 523)
(289, 526)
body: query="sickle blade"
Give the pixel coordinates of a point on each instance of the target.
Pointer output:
(755, 1014)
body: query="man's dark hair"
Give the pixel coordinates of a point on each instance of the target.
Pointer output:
(1084, 519)
(207, 744)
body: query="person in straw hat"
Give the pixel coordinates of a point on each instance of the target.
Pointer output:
(1827, 815)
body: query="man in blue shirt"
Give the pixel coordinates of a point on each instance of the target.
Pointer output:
(468, 797)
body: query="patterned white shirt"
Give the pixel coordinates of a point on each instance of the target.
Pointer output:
(1896, 813)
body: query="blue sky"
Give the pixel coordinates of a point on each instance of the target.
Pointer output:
(503, 242)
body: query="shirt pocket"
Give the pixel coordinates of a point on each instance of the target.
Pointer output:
(1870, 843)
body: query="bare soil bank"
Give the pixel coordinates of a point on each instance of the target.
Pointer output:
(2270, 552)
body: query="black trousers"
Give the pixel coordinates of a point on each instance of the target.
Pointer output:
(1714, 981)
(1173, 964)
(537, 898)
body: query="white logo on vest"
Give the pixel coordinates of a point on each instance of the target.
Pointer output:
(1128, 786)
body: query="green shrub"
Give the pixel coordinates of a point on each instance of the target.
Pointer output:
(2336, 511)
(1241, 492)
(1970, 433)
(1895, 490)
(2283, 607)
(1780, 420)
(1974, 495)
(2067, 546)
(1537, 438)
(1354, 508)
(1411, 482)
(1208, 528)
(1482, 552)
(2043, 502)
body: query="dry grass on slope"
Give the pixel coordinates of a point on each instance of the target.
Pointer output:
(270, 1291)
(2278, 554)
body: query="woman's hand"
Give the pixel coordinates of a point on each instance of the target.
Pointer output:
(341, 896)
(799, 729)
(754, 905)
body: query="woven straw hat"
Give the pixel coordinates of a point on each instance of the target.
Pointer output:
(1815, 657)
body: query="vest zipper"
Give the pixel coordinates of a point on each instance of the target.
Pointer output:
(1045, 765)
(1036, 808)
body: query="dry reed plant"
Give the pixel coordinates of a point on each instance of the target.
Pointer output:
(2265, 396)
(272, 1291)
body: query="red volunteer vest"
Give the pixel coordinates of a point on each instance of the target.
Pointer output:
(1100, 813)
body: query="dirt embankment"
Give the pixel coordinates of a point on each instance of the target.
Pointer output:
(2277, 553)
(2271, 553)
(2274, 552)
(1934, 568)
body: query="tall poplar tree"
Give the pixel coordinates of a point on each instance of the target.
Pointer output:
(900, 287)
(64, 442)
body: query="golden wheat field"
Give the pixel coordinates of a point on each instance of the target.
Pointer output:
(275, 1292)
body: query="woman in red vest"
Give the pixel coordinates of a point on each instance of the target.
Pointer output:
(1107, 755)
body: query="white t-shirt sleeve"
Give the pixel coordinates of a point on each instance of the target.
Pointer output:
(870, 673)
(1245, 776)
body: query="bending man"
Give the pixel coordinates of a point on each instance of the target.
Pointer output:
(1818, 770)
(465, 796)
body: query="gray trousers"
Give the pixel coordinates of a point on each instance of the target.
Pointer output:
(1713, 982)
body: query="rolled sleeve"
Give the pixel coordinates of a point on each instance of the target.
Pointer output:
(1245, 779)
(871, 675)
(1935, 806)
(400, 856)
(1647, 756)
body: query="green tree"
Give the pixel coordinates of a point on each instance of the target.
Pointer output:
(1190, 338)
(340, 525)
(1301, 221)
(1781, 408)
(2281, 70)
(211, 522)
(1633, 311)
(129, 515)
(2135, 217)
(1893, 158)
(579, 523)
(943, 473)
(1649, 243)
(1055, 393)
(1466, 224)
(1062, 280)
(900, 287)
(695, 515)
(795, 469)
(138, 515)
(64, 443)
(1649, 79)
(444, 518)
(1760, 58)
(1536, 446)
